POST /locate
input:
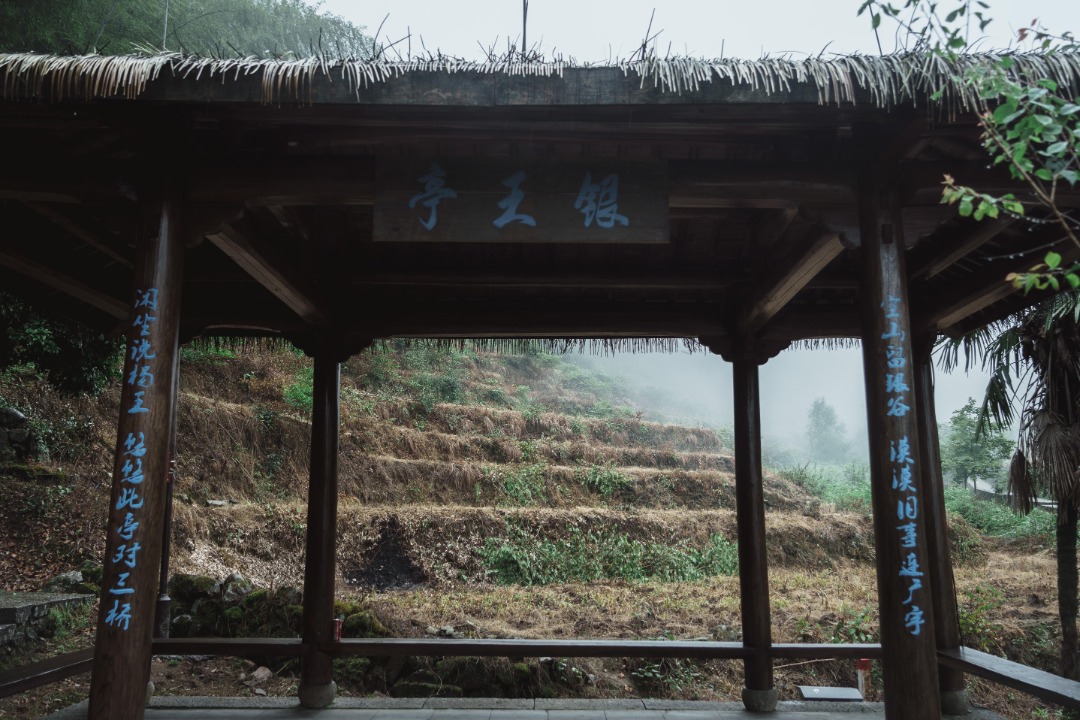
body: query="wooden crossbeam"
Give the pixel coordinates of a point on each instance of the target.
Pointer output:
(96, 240)
(787, 281)
(259, 262)
(69, 286)
(986, 288)
(934, 255)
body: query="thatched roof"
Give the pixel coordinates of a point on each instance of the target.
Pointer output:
(887, 80)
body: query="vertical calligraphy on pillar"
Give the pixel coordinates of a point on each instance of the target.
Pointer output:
(901, 460)
(141, 354)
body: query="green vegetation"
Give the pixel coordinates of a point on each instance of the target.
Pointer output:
(847, 487)
(73, 357)
(826, 436)
(968, 454)
(300, 393)
(525, 557)
(524, 485)
(606, 479)
(229, 28)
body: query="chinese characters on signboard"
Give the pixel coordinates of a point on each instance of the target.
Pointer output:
(129, 502)
(901, 460)
(494, 201)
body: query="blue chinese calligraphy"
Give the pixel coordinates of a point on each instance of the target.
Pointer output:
(510, 203)
(133, 451)
(435, 191)
(901, 460)
(599, 202)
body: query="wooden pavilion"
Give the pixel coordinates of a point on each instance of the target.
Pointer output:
(747, 206)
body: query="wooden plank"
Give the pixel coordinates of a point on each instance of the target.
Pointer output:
(69, 286)
(537, 648)
(97, 240)
(1043, 685)
(44, 672)
(750, 518)
(473, 200)
(258, 261)
(230, 647)
(933, 255)
(789, 280)
(140, 469)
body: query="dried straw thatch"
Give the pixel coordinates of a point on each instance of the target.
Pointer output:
(888, 80)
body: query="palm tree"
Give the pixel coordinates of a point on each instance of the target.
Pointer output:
(1033, 359)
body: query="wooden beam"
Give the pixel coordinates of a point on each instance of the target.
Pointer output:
(1043, 685)
(140, 467)
(901, 556)
(933, 255)
(789, 280)
(257, 260)
(44, 672)
(97, 240)
(759, 693)
(317, 687)
(69, 286)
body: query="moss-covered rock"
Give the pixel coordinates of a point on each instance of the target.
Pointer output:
(92, 572)
(185, 589)
(363, 624)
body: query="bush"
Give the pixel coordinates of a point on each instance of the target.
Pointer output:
(604, 479)
(527, 558)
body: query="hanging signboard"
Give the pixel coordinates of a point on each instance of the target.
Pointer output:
(507, 201)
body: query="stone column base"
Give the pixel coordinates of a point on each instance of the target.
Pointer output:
(318, 696)
(955, 702)
(149, 692)
(762, 701)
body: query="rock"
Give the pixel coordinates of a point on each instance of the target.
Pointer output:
(288, 595)
(182, 626)
(235, 587)
(91, 571)
(64, 582)
(259, 691)
(185, 589)
(363, 625)
(12, 418)
(217, 503)
(260, 677)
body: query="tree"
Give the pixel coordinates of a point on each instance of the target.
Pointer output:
(75, 358)
(1028, 125)
(970, 454)
(1033, 359)
(825, 434)
(266, 28)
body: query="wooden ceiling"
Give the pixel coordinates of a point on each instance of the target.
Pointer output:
(763, 223)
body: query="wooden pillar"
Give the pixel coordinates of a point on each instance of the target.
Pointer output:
(909, 651)
(954, 700)
(759, 695)
(121, 670)
(317, 687)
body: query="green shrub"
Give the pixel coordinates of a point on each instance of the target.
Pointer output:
(527, 558)
(300, 393)
(994, 518)
(606, 480)
(523, 485)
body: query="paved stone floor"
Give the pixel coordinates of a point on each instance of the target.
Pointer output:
(257, 708)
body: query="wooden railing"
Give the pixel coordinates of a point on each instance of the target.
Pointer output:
(57, 668)
(1043, 685)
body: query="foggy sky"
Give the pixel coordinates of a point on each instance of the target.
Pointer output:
(789, 384)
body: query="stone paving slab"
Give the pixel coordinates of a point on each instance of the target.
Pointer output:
(587, 704)
(483, 703)
(278, 708)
